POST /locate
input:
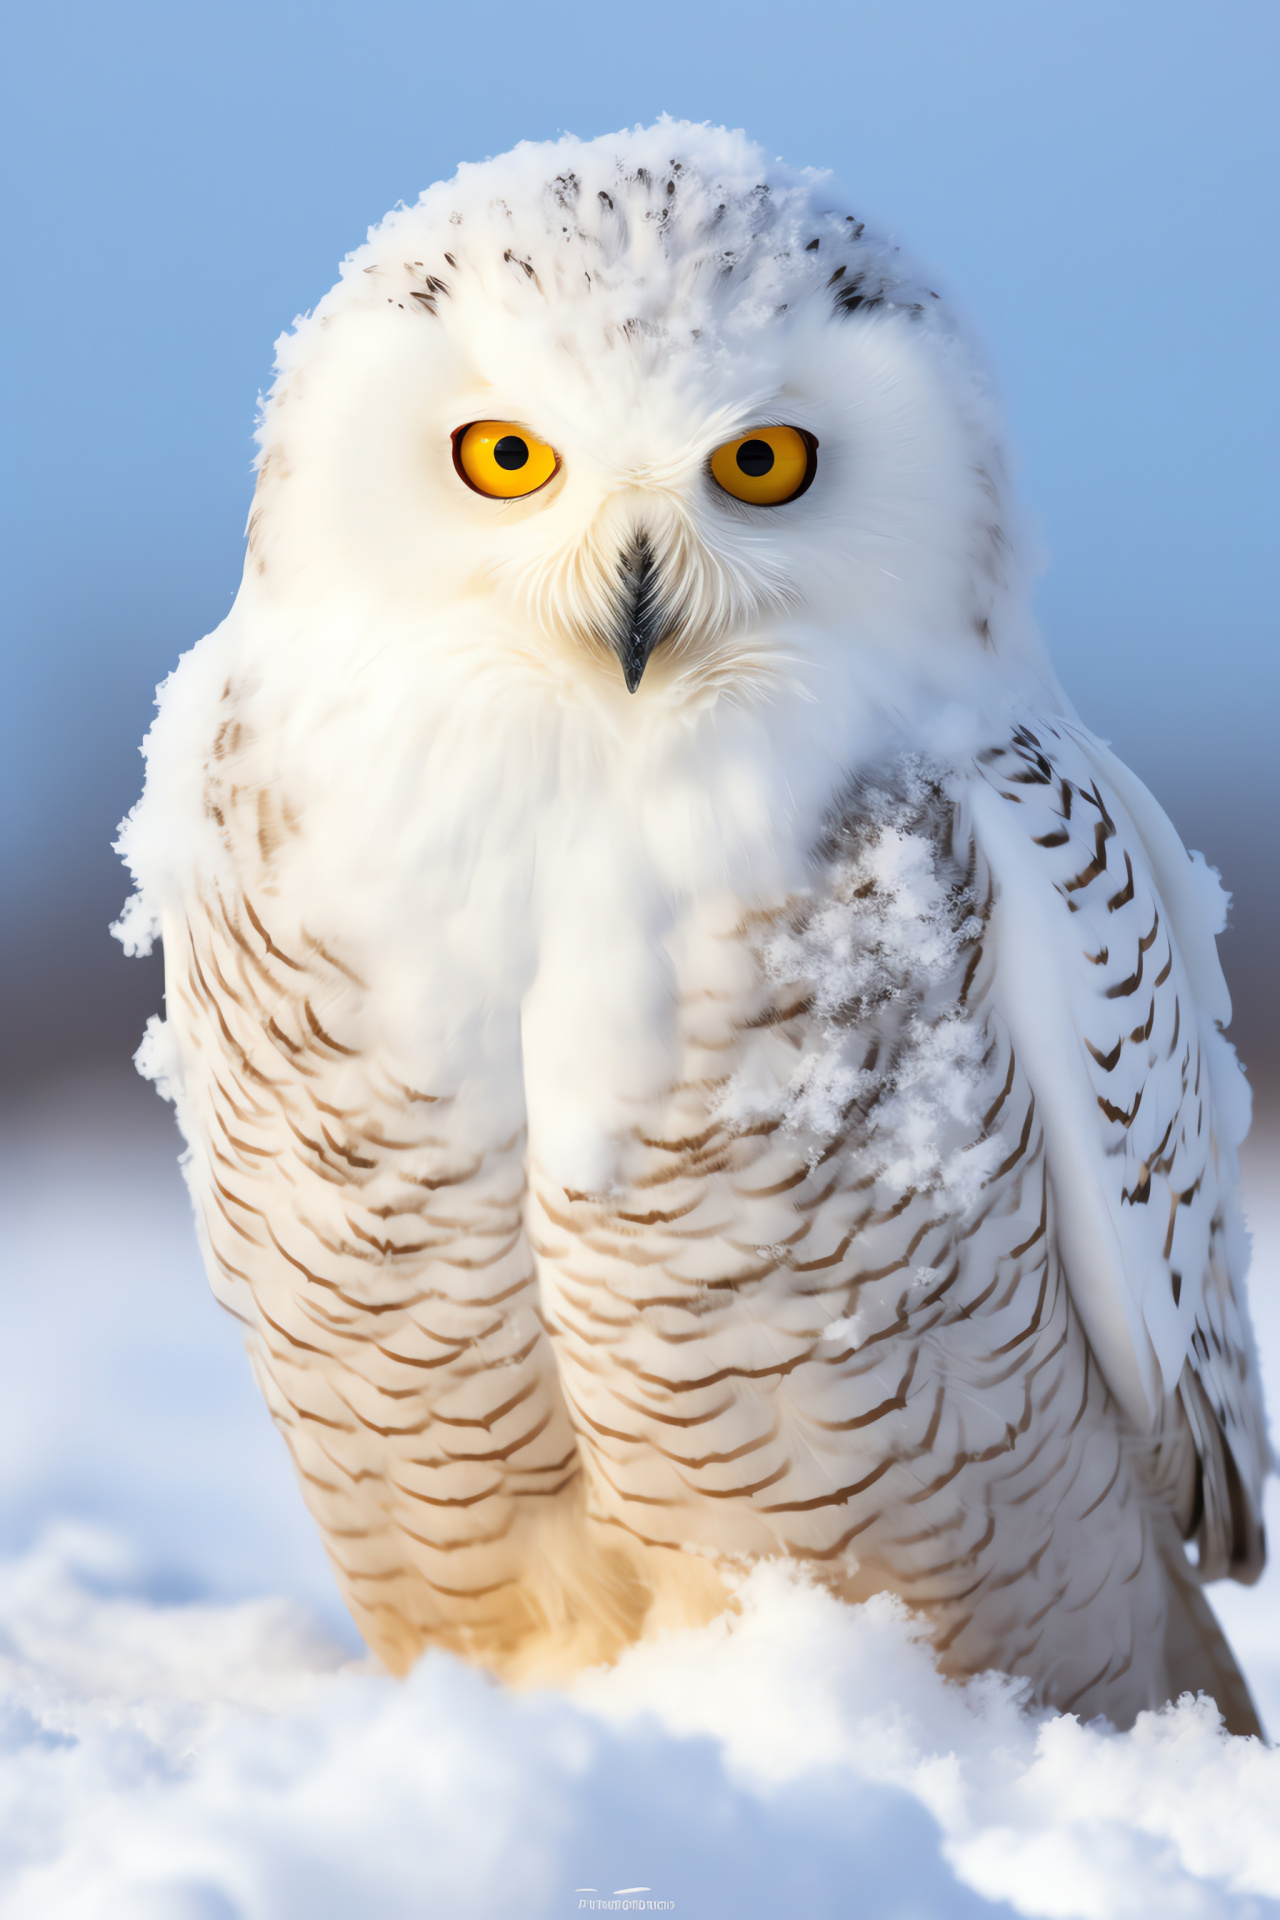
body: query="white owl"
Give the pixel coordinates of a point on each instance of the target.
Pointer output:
(689, 1050)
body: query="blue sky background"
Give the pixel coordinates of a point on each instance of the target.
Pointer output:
(1094, 181)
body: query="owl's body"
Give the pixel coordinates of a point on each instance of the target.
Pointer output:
(781, 1109)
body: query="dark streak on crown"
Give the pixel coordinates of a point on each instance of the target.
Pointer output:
(431, 288)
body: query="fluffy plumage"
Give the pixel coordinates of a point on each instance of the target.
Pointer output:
(782, 1110)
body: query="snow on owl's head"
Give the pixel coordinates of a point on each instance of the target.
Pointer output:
(646, 418)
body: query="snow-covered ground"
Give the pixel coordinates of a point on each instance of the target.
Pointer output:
(189, 1730)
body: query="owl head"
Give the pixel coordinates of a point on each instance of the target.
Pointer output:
(647, 419)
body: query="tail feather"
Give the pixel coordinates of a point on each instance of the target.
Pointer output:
(1197, 1656)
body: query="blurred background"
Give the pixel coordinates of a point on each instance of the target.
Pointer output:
(1093, 181)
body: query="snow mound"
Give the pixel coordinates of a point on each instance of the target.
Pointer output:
(223, 1762)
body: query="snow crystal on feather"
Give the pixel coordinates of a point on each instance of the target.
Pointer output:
(882, 949)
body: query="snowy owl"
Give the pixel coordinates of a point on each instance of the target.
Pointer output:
(689, 1051)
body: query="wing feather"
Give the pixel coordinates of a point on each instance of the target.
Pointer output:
(1108, 978)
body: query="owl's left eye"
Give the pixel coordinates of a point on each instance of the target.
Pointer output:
(767, 466)
(503, 460)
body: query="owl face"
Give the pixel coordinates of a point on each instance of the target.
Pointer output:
(644, 418)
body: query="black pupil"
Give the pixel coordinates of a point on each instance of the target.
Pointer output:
(755, 457)
(512, 452)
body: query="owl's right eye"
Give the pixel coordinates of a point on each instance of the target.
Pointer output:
(503, 460)
(768, 466)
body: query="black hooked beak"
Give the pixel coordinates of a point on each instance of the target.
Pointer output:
(642, 624)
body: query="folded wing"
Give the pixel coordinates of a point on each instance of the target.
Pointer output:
(1108, 979)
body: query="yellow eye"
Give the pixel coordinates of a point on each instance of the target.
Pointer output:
(501, 459)
(767, 466)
